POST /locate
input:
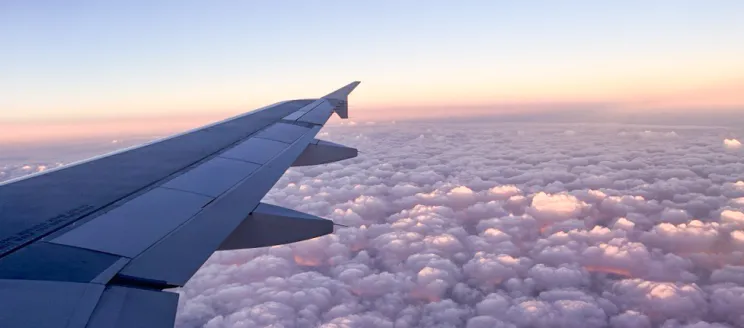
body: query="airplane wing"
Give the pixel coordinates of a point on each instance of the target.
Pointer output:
(94, 244)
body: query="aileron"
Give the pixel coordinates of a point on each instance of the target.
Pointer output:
(283, 132)
(255, 150)
(213, 177)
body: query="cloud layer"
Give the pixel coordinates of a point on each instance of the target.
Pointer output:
(495, 225)
(478, 225)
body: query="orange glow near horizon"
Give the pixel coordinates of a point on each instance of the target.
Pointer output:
(29, 132)
(719, 97)
(663, 88)
(398, 101)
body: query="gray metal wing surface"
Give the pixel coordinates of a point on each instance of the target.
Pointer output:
(95, 243)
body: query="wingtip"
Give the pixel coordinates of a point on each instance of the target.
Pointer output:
(341, 96)
(343, 92)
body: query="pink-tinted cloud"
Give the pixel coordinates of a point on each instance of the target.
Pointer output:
(481, 225)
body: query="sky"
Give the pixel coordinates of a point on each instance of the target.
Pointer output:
(80, 63)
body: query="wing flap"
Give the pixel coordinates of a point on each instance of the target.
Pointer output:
(318, 115)
(255, 150)
(302, 111)
(283, 132)
(323, 152)
(214, 177)
(270, 225)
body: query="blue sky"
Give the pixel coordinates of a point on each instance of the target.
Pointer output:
(75, 60)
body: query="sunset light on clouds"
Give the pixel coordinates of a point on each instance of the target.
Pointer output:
(536, 163)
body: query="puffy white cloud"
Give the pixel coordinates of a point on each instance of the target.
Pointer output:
(491, 269)
(549, 208)
(731, 143)
(505, 192)
(660, 301)
(460, 191)
(733, 217)
(694, 236)
(624, 224)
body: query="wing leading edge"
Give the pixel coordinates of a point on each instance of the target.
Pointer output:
(94, 244)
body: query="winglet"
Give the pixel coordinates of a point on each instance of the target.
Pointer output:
(342, 93)
(339, 99)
